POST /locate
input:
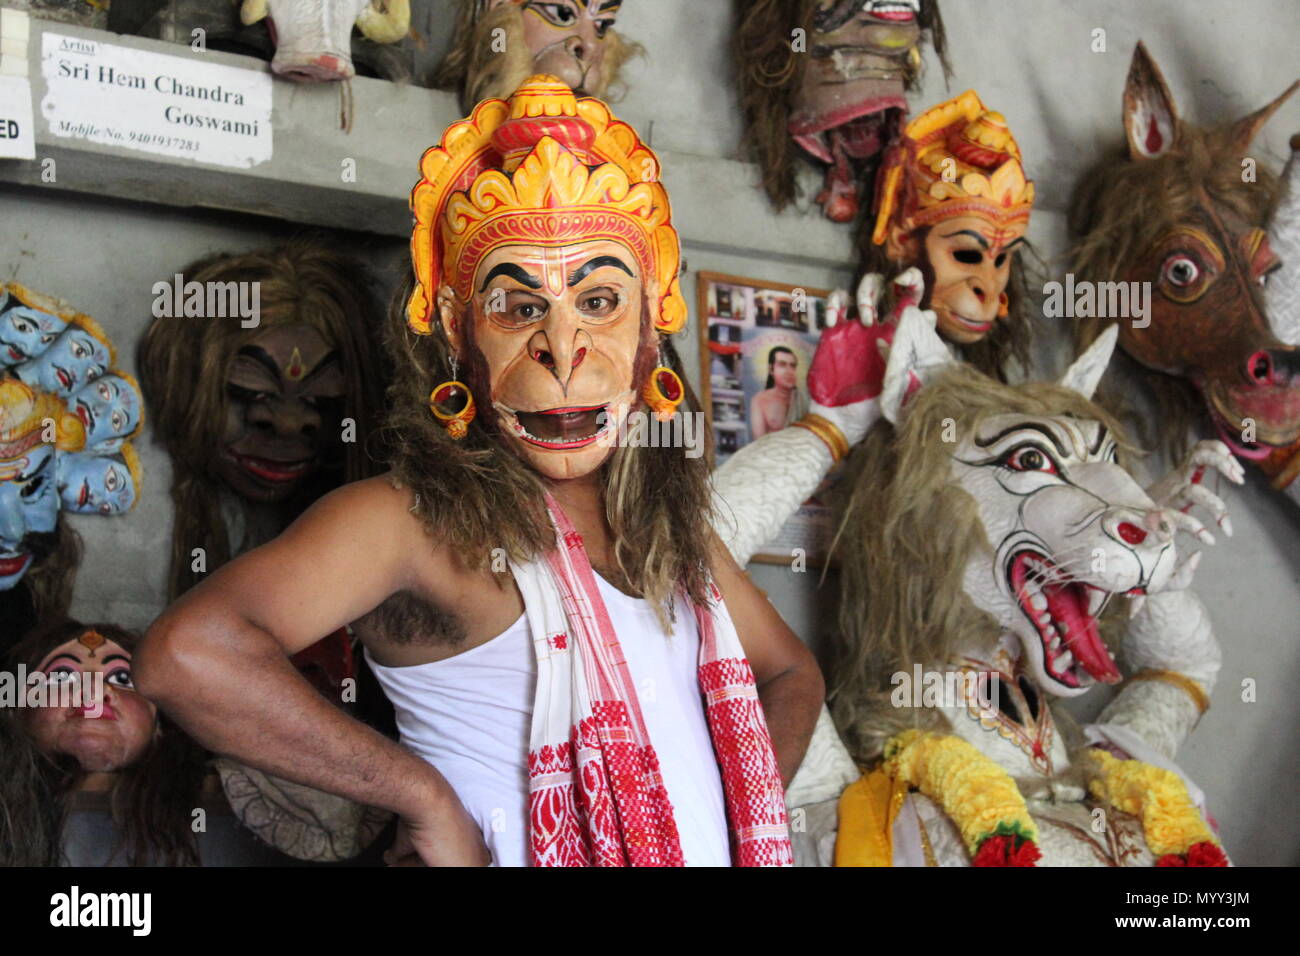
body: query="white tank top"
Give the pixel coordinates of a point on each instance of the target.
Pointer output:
(469, 716)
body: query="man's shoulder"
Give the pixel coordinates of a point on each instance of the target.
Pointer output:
(374, 505)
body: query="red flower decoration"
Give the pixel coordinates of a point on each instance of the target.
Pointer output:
(1198, 854)
(1007, 850)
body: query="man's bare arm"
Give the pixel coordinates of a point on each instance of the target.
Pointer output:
(217, 661)
(789, 681)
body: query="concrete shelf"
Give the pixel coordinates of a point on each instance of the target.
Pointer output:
(717, 205)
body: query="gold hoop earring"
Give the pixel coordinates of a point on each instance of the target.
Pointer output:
(452, 403)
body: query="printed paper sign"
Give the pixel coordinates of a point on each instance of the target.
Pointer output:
(156, 103)
(17, 132)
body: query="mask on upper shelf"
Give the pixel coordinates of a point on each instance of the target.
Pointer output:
(310, 41)
(837, 91)
(498, 44)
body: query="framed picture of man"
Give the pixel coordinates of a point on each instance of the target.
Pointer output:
(756, 343)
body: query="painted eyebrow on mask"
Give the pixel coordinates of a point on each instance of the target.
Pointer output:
(984, 243)
(262, 357)
(513, 271)
(1102, 432)
(1025, 426)
(599, 262)
(58, 657)
(329, 359)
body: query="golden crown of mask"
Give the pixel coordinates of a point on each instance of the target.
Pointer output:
(956, 159)
(547, 169)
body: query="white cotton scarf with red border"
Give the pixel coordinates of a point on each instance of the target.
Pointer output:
(595, 793)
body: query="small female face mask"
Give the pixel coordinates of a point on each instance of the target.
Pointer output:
(106, 726)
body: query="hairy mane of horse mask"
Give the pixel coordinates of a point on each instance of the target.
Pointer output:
(848, 68)
(1178, 213)
(953, 200)
(1067, 528)
(544, 249)
(500, 43)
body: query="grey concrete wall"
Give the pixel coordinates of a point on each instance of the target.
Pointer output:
(1030, 59)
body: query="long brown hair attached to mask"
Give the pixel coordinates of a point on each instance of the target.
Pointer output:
(184, 363)
(151, 801)
(768, 71)
(477, 495)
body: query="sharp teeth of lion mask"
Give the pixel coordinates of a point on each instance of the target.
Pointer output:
(544, 252)
(1069, 531)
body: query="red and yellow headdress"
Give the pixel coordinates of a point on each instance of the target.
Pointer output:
(545, 168)
(956, 159)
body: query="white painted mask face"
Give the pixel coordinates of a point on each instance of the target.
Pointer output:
(1068, 529)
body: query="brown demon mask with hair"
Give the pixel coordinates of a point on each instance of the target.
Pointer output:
(842, 98)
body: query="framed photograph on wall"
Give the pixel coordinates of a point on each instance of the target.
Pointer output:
(757, 340)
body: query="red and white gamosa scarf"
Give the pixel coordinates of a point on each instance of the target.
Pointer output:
(596, 797)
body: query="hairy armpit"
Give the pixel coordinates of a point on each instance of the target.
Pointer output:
(405, 618)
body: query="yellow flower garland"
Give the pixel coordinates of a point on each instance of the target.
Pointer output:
(977, 794)
(1158, 797)
(982, 799)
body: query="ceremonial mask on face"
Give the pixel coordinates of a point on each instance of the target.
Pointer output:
(544, 246)
(97, 483)
(110, 407)
(954, 200)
